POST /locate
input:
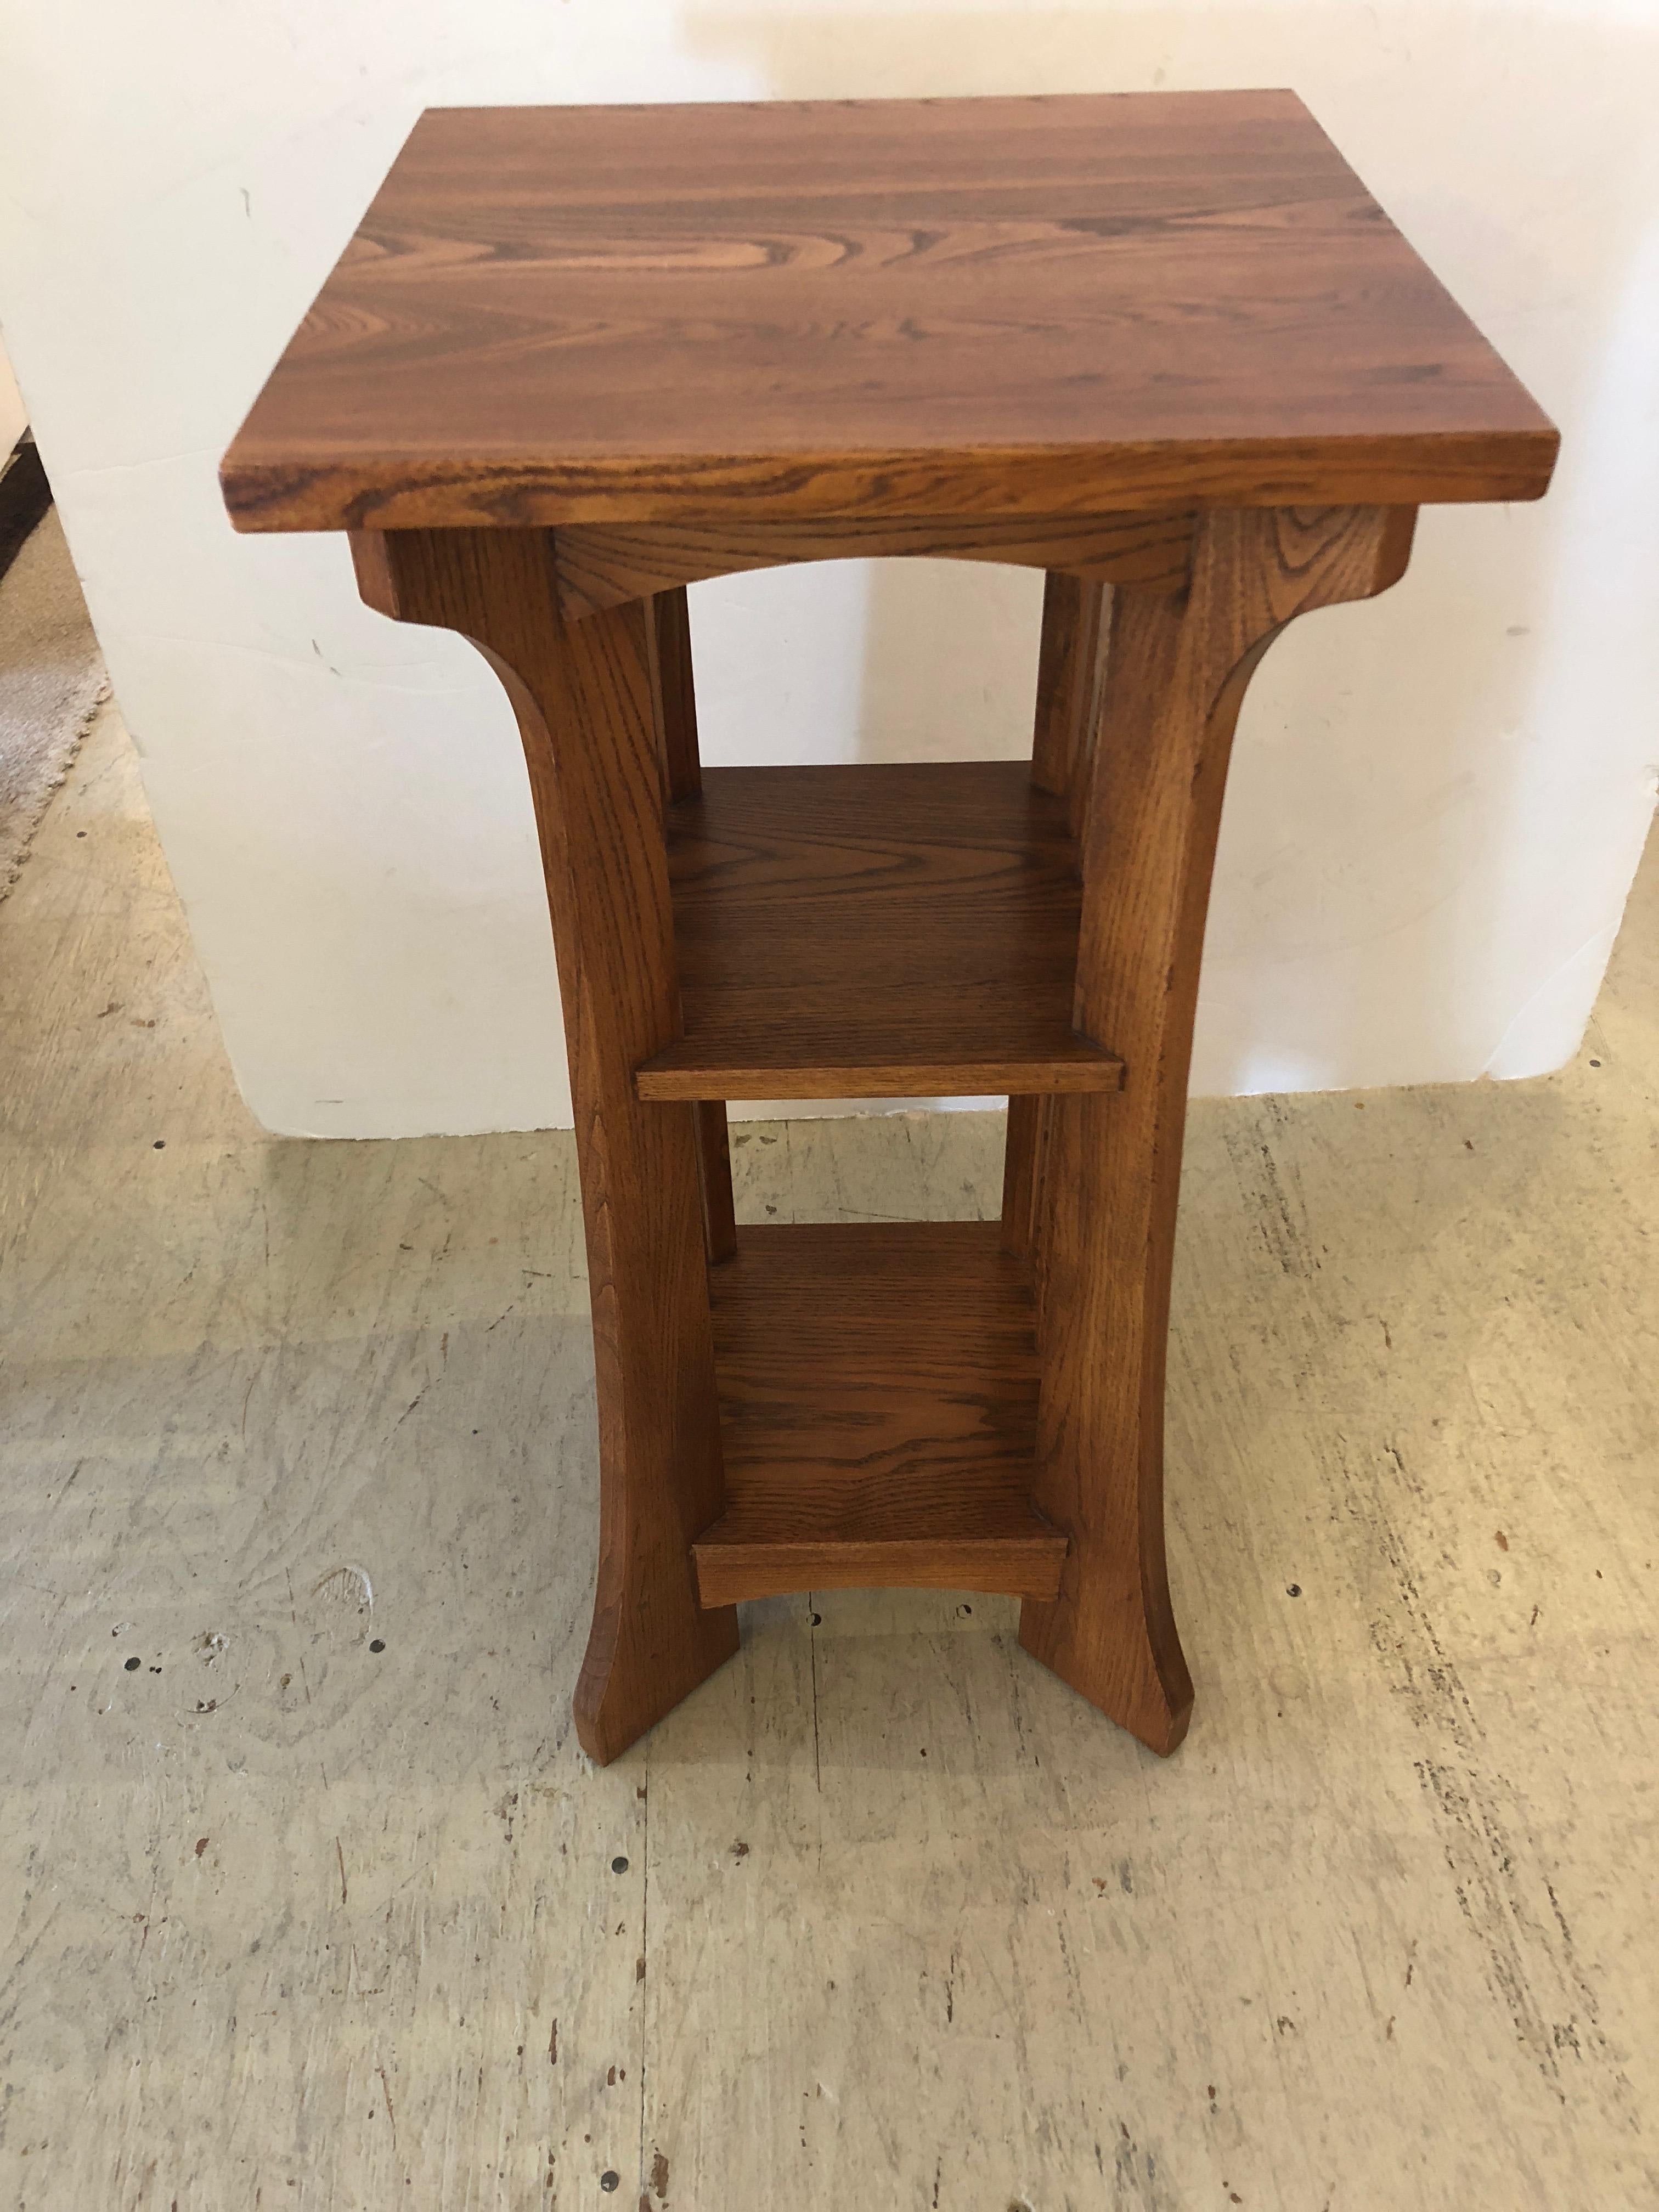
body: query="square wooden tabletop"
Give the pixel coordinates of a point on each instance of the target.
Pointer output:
(1045, 306)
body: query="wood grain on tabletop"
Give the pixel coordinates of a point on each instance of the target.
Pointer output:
(887, 308)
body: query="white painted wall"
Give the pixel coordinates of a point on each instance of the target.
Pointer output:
(1439, 800)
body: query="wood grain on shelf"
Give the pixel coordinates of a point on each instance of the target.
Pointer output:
(878, 1396)
(584, 699)
(874, 931)
(602, 564)
(789, 311)
(1174, 676)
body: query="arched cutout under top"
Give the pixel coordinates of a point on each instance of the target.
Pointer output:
(602, 565)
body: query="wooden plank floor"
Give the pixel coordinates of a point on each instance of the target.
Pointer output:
(291, 1921)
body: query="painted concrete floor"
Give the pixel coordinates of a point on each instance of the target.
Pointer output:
(311, 1901)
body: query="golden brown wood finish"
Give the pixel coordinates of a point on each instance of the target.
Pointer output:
(1069, 659)
(1165, 346)
(886, 308)
(600, 565)
(674, 688)
(878, 1398)
(714, 1179)
(1022, 1177)
(875, 932)
(673, 692)
(583, 697)
(1174, 681)
(1074, 624)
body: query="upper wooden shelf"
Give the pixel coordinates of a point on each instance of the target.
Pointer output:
(876, 931)
(877, 309)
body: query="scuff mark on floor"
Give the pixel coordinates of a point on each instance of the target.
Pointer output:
(1492, 1863)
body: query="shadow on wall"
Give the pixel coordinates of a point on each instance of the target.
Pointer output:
(1412, 787)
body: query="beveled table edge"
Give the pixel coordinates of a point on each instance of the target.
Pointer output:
(400, 491)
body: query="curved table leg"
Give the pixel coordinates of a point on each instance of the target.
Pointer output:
(1103, 1218)
(587, 696)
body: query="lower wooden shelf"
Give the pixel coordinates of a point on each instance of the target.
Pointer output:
(878, 1391)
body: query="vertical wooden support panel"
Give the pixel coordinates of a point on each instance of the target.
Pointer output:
(1075, 620)
(1021, 1174)
(1074, 623)
(720, 1220)
(675, 698)
(583, 695)
(1173, 684)
(671, 631)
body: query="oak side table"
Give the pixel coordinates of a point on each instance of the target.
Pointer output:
(1165, 348)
